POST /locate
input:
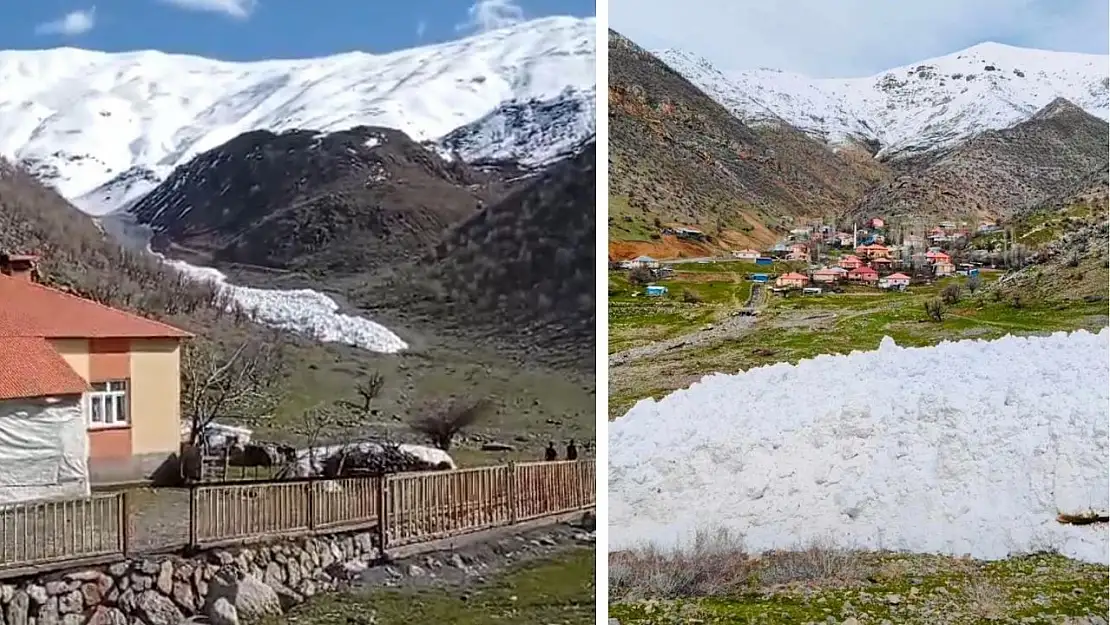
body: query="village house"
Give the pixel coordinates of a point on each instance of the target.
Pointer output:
(864, 274)
(798, 251)
(876, 222)
(745, 254)
(943, 268)
(849, 262)
(882, 264)
(689, 233)
(845, 239)
(829, 274)
(792, 280)
(65, 360)
(873, 250)
(935, 257)
(646, 262)
(894, 281)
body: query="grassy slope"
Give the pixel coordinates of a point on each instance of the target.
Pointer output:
(555, 591)
(797, 327)
(901, 588)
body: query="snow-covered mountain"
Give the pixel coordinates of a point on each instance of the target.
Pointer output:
(104, 128)
(915, 108)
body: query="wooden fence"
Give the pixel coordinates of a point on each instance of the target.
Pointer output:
(400, 509)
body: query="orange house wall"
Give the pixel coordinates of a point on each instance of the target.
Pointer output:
(110, 359)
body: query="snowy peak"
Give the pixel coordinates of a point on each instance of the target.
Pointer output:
(915, 108)
(1057, 108)
(80, 119)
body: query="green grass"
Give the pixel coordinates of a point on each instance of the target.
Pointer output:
(797, 327)
(628, 224)
(554, 591)
(905, 588)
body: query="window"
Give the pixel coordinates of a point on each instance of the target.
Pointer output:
(108, 404)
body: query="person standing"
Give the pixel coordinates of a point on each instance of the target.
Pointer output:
(572, 451)
(550, 454)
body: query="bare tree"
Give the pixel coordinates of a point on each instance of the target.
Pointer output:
(950, 294)
(934, 308)
(369, 389)
(440, 421)
(321, 420)
(243, 383)
(974, 282)
(640, 276)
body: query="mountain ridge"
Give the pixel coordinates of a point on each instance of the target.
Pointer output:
(911, 109)
(79, 119)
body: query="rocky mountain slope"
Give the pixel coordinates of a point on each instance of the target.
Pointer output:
(917, 108)
(998, 173)
(519, 272)
(677, 156)
(343, 201)
(94, 124)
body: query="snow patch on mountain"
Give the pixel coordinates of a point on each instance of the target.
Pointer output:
(534, 132)
(82, 119)
(915, 108)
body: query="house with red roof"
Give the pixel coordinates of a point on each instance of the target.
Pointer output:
(873, 250)
(94, 391)
(935, 257)
(792, 280)
(864, 274)
(894, 281)
(849, 262)
(829, 274)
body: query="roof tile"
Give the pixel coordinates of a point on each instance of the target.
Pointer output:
(30, 367)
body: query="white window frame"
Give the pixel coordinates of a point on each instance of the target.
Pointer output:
(107, 394)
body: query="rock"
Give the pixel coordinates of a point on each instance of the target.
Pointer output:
(288, 597)
(71, 603)
(48, 613)
(293, 572)
(157, 609)
(18, 608)
(7, 591)
(222, 612)
(274, 574)
(456, 561)
(364, 542)
(37, 594)
(118, 569)
(57, 588)
(127, 600)
(183, 596)
(851, 620)
(495, 446)
(150, 567)
(73, 619)
(165, 578)
(107, 616)
(252, 598)
(90, 594)
(141, 583)
(893, 599)
(415, 571)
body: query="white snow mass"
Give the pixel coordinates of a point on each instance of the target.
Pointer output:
(971, 447)
(300, 310)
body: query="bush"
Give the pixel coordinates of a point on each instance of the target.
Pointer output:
(934, 308)
(974, 282)
(640, 276)
(950, 294)
(691, 297)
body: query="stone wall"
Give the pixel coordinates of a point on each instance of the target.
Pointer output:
(222, 585)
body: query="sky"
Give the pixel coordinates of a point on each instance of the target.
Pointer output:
(241, 30)
(854, 38)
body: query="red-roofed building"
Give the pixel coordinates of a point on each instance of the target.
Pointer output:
(849, 262)
(69, 358)
(864, 274)
(792, 280)
(937, 257)
(873, 251)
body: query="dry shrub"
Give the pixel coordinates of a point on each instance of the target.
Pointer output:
(985, 600)
(715, 564)
(817, 562)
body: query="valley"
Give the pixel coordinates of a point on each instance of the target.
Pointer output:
(336, 226)
(993, 158)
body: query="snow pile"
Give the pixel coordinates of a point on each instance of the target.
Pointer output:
(300, 310)
(310, 462)
(971, 447)
(79, 118)
(927, 105)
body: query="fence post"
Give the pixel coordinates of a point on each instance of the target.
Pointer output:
(511, 490)
(125, 523)
(383, 514)
(193, 517)
(310, 502)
